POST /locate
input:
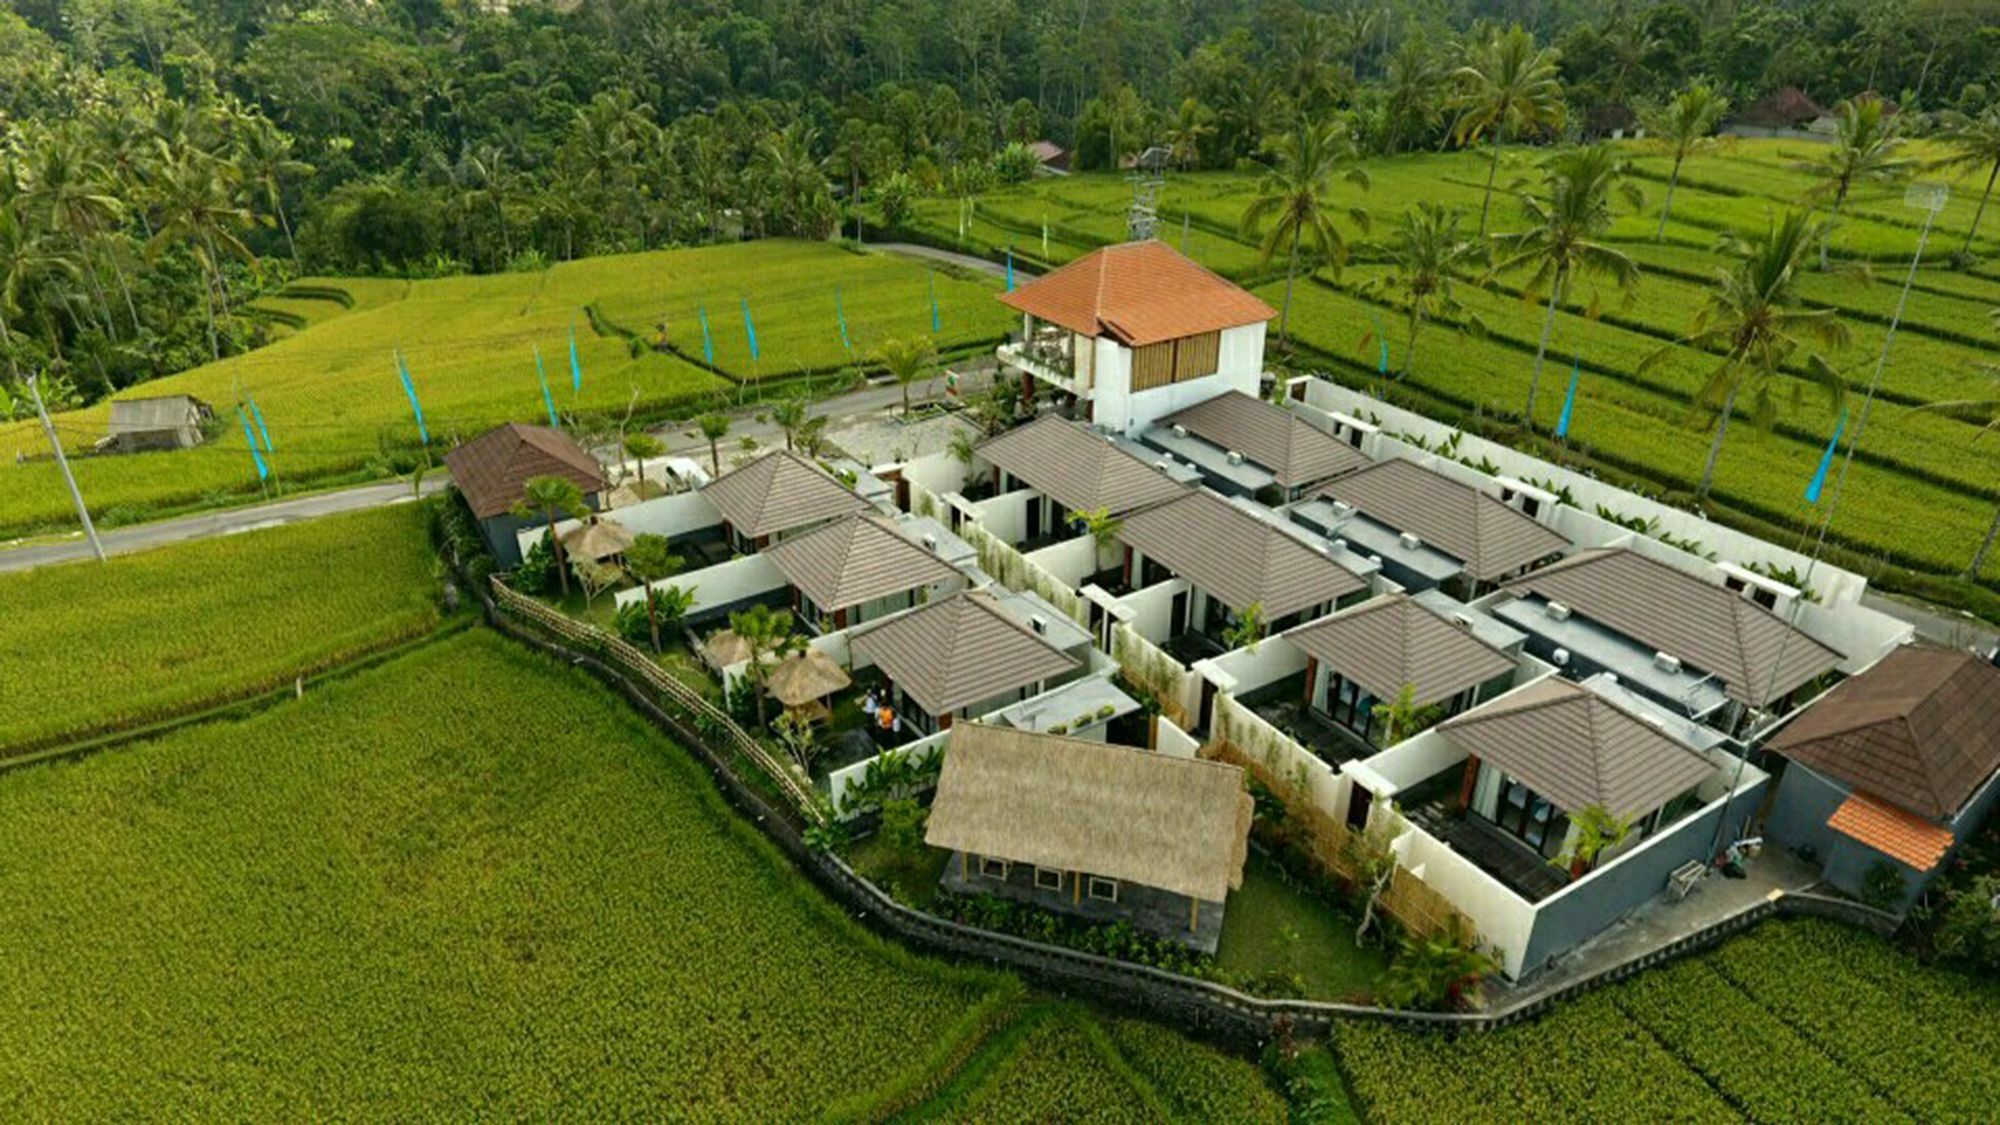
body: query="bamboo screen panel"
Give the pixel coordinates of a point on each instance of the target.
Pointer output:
(1195, 356)
(1153, 366)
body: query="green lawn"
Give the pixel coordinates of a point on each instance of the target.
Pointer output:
(87, 647)
(1276, 931)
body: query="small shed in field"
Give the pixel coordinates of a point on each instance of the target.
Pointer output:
(161, 422)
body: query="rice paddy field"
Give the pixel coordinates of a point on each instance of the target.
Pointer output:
(1795, 1021)
(1922, 495)
(470, 881)
(335, 407)
(86, 648)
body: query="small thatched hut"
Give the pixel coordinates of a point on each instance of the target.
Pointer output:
(1108, 832)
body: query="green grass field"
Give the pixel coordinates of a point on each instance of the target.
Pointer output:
(336, 409)
(1923, 499)
(90, 647)
(1795, 1021)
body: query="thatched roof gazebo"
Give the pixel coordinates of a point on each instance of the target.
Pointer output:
(805, 678)
(598, 540)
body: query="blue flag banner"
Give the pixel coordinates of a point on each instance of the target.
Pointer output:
(410, 388)
(750, 329)
(575, 364)
(930, 285)
(707, 342)
(258, 458)
(1381, 345)
(548, 400)
(1826, 462)
(1569, 400)
(259, 416)
(1010, 269)
(841, 314)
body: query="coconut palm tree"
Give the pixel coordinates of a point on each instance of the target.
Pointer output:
(650, 558)
(1295, 194)
(1866, 144)
(1975, 143)
(712, 427)
(1753, 318)
(198, 210)
(790, 415)
(264, 154)
(640, 446)
(1506, 89)
(25, 255)
(553, 498)
(906, 360)
(1427, 256)
(767, 634)
(1564, 238)
(1685, 126)
(62, 181)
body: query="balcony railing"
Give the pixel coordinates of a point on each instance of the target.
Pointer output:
(1048, 356)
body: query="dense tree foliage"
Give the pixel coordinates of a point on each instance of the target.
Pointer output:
(165, 160)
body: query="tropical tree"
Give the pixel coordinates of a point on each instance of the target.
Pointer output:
(790, 415)
(1685, 126)
(264, 156)
(25, 256)
(712, 427)
(640, 446)
(553, 498)
(1754, 319)
(1598, 830)
(1975, 144)
(1296, 196)
(198, 211)
(1508, 88)
(1248, 628)
(1564, 238)
(767, 634)
(651, 558)
(1401, 718)
(1427, 256)
(1436, 971)
(1867, 143)
(906, 360)
(1103, 529)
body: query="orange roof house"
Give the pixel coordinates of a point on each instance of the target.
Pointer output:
(1138, 293)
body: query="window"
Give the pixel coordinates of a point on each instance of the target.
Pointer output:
(993, 868)
(1047, 879)
(1102, 889)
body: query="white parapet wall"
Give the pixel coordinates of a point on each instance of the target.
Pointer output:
(1069, 562)
(1244, 670)
(671, 516)
(724, 584)
(1151, 609)
(1171, 740)
(1005, 517)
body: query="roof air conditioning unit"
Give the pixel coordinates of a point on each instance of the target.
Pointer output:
(931, 543)
(1340, 544)
(1180, 431)
(1668, 664)
(1558, 611)
(1411, 541)
(1462, 620)
(1235, 458)
(1560, 658)
(1342, 509)
(1164, 464)
(1375, 559)
(1040, 624)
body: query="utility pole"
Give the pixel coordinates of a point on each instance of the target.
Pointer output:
(55, 444)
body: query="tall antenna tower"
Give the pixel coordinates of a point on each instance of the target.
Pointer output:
(1148, 178)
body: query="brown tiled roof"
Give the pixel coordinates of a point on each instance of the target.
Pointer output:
(1393, 640)
(1487, 536)
(778, 492)
(959, 651)
(1703, 624)
(493, 468)
(1781, 109)
(855, 560)
(1138, 293)
(1891, 831)
(1237, 556)
(1177, 824)
(1920, 729)
(1578, 749)
(1295, 452)
(1078, 469)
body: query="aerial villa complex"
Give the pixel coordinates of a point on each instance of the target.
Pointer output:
(1180, 573)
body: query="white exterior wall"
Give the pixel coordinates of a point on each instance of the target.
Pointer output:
(670, 516)
(1171, 740)
(1005, 517)
(1070, 561)
(1244, 670)
(1239, 367)
(1152, 609)
(748, 577)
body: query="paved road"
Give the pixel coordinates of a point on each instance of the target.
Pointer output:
(139, 537)
(950, 257)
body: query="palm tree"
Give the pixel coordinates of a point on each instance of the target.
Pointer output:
(1412, 103)
(264, 154)
(651, 558)
(1509, 88)
(1401, 718)
(198, 209)
(1975, 143)
(1436, 971)
(1754, 319)
(1426, 257)
(712, 427)
(906, 360)
(640, 446)
(766, 633)
(1564, 237)
(62, 181)
(24, 257)
(1866, 142)
(553, 498)
(1296, 195)
(1685, 125)
(1598, 830)
(790, 415)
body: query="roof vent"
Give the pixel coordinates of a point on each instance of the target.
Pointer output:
(1375, 559)
(1340, 544)
(1668, 664)
(1180, 431)
(1342, 509)
(1558, 611)
(1411, 541)
(931, 543)
(1165, 464)
(1235, 458)
(1560, 658)
(1462, 620)
(1040, 625)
